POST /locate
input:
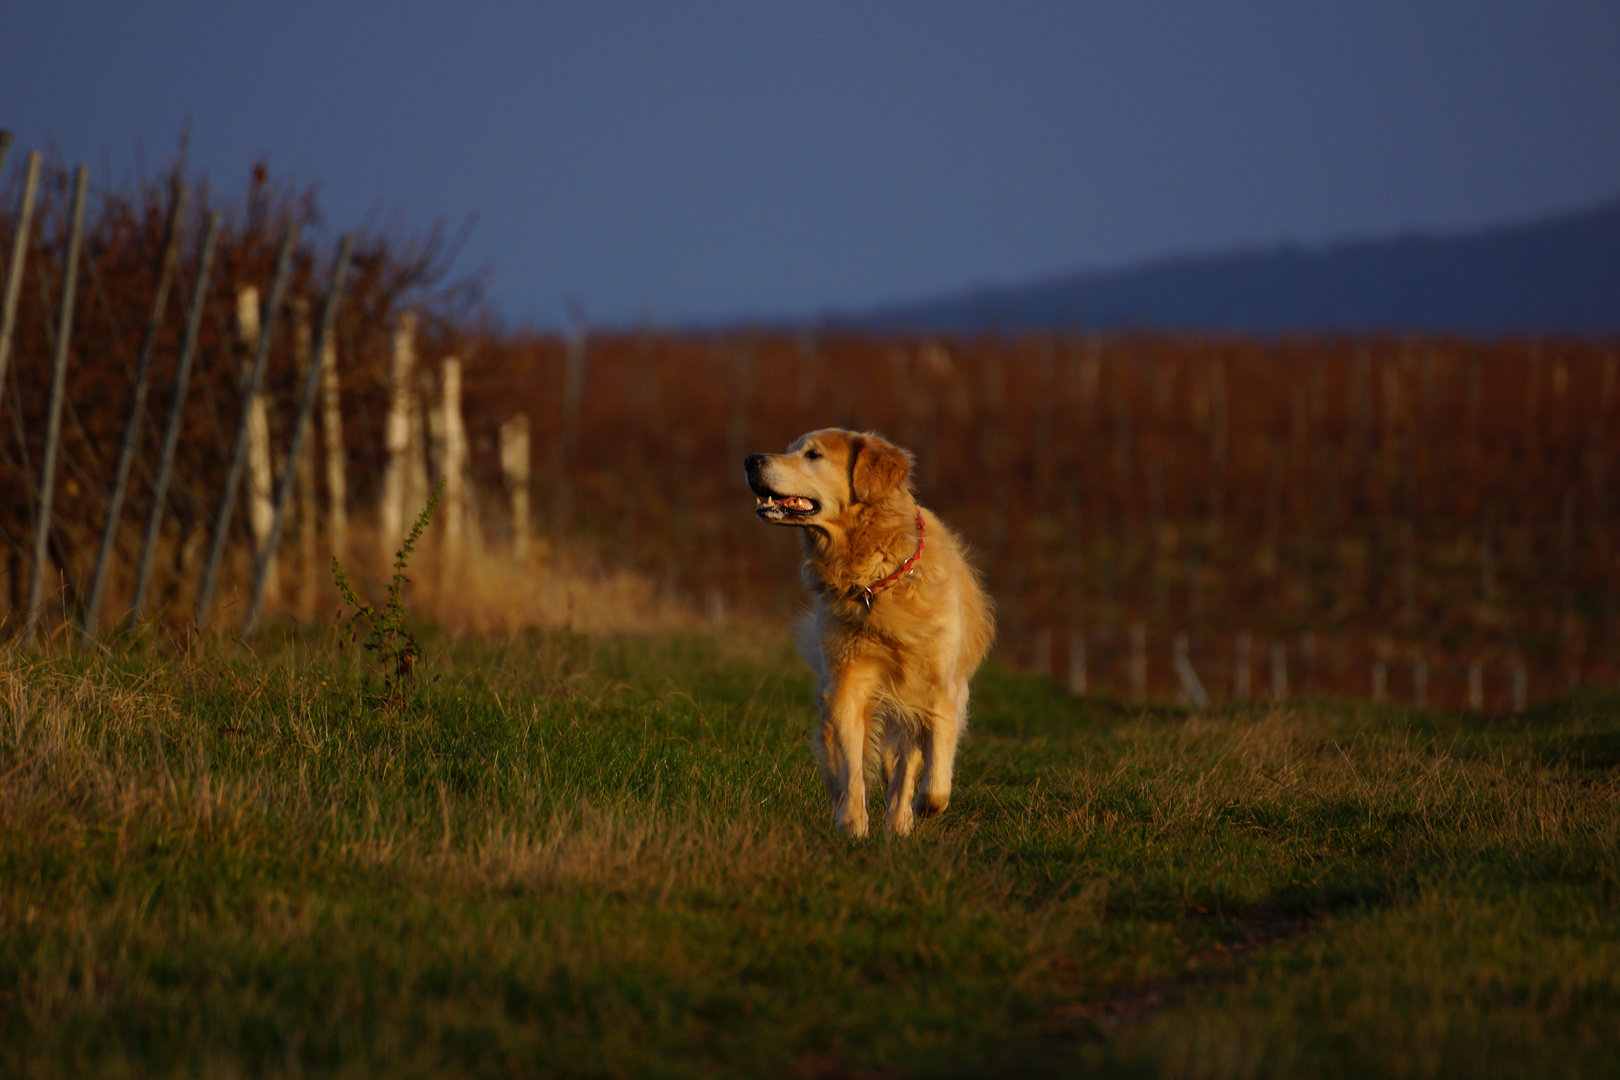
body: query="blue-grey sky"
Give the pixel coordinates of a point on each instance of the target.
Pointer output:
(691, 160)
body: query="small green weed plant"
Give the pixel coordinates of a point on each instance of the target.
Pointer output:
(395, 647)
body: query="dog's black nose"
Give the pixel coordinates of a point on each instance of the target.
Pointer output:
(751, 465)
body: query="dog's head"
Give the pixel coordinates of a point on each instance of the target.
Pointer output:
(826, 474)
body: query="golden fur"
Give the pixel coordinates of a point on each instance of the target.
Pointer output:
(893, 673)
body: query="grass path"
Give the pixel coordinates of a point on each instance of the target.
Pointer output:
(610, 857)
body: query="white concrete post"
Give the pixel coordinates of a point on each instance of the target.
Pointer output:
(304, 490)
(1279, 671)
(1192, 688)
(1043, 652)
(1138, 665)
(337, 491)
(261, 474)
(397, 439)
(515, 468)
(1077, 662)
(455, 466)
(1242, 664)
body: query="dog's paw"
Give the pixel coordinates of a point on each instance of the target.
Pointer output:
(928, 803)
(851, 824)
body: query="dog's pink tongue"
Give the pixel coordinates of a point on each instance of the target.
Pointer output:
(795, 502)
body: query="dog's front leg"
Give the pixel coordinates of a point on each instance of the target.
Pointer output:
(945, 723)
(846, 717)
(904, 757)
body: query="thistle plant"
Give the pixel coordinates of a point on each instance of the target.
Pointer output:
(395, 646)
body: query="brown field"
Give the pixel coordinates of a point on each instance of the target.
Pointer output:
(1435, 505)
(1349, 499)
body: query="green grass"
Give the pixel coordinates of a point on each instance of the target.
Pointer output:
(612, 857)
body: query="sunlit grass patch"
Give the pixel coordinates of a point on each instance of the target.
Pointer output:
(592, 856)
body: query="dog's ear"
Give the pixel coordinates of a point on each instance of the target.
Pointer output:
(878, 468)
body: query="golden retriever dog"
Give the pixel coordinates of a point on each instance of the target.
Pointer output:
(900, 624)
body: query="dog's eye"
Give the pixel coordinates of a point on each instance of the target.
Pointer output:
(812, 453)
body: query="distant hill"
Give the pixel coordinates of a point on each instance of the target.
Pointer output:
(1557, 275)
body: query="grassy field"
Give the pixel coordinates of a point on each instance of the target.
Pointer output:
(611, 857)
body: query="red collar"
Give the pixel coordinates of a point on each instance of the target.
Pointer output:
(905, 567)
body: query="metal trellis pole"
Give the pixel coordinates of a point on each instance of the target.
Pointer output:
(233, 475)
(53, 423)
(306, 406)
(19, 255)
(171, 437)
(137, 406)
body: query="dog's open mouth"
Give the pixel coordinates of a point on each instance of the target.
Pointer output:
(774, 507)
